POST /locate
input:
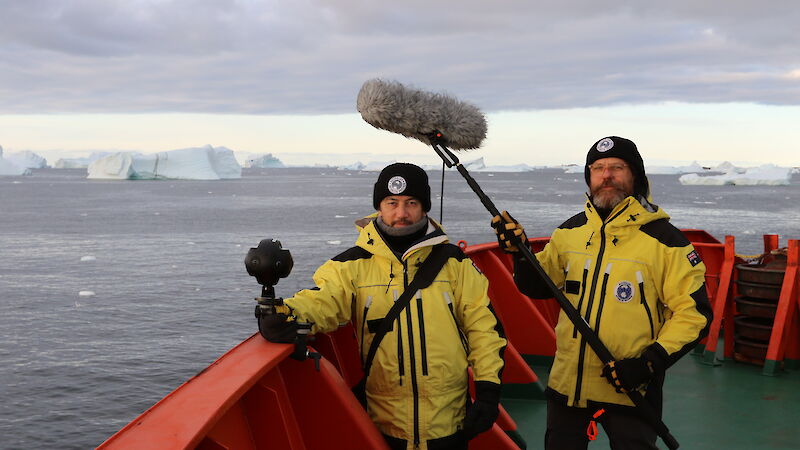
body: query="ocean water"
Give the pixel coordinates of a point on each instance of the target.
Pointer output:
(164, 261)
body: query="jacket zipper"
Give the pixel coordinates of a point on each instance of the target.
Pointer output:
(640, 280)
(423, 350)
(582, 352)
(583, 294)
(412, 362)
(364, 326)
(602, 299)
(400, 359)
(461, 336)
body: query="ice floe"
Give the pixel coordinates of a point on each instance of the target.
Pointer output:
(768, 174)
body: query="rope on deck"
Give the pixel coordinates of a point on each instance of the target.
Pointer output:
(760, 257)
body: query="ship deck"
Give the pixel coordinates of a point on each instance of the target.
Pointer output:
(731, 406)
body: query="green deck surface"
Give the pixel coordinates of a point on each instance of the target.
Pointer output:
(728, 406)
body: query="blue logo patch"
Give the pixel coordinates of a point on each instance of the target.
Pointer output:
(624, 291)
(694, 258)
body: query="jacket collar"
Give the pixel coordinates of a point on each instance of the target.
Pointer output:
(370, 239)
(629, 212)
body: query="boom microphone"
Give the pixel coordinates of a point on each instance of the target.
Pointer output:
(417, 114)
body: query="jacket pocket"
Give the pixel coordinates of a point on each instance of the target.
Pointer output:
(640, 280)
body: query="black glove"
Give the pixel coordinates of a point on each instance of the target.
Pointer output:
(632, 373)
(505, 227)
(278, 327)
(483, 412)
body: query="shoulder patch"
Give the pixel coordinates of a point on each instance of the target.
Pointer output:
(694, 258)
(352, 254)
(665, 233)
(578, 220)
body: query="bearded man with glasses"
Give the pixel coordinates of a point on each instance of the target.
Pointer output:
(638, 283)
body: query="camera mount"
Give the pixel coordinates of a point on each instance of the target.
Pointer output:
(268, 263)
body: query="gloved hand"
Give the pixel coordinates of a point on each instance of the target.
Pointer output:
(505, 227)
(483, 412)
(632, 373)
(279, 326)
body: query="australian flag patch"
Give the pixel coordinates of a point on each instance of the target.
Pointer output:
(694, 258)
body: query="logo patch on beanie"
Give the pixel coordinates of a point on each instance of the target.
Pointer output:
(605, 145)
(397, 185)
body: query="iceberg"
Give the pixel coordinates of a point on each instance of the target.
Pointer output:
(79, 163)
(475, 164)
(694, 167)
(264, 161)
(8, 167)
(358, 165)
(728, 167)
(27, 160)
(199, 163)
(509, 168)
(377, 166)
(768, 174)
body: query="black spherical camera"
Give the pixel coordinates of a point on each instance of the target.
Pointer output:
(268, 262)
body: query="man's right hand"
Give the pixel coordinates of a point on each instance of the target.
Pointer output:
(506, 227)
(278, 327)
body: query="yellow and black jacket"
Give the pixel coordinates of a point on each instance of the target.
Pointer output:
(417, 387)
(636, 280)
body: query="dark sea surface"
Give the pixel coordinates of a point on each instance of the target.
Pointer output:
(171, 293)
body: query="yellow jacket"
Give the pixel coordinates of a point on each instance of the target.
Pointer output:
(636, 280)
(417, 386)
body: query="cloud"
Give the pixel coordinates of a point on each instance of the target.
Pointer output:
(311, 56)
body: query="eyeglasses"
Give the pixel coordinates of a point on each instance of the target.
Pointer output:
(615, 169)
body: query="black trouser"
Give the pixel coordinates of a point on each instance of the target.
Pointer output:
(453, 442)
(566, 428)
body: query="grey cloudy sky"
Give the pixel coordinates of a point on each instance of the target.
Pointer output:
(311, 56)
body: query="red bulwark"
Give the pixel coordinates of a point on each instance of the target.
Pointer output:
(529, 324)
(721, 303)
(783, 343)
(254, 397)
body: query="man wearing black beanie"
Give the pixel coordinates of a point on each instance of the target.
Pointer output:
(416, 387)
(637, 282)
(403, 197)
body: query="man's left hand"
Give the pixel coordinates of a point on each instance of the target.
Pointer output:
(483, 412)
(509, 232)
(632, 373)
(628, 374)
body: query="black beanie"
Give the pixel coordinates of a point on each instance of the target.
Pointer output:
(624, 149)
(402, 179)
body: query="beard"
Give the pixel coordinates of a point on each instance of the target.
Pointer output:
(605, 198)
